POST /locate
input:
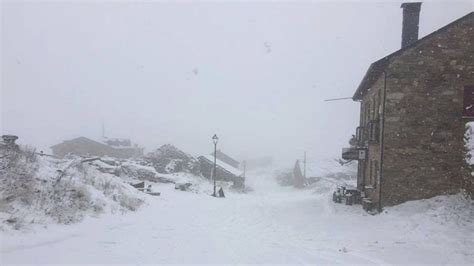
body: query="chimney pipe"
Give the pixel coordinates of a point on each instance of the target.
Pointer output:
(411, 20)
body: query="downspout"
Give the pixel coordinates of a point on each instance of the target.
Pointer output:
(382, 123)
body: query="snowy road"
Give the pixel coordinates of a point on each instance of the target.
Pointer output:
(270, 225)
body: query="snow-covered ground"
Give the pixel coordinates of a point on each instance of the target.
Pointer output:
(272, 224)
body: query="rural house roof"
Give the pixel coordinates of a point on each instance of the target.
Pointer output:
(79, 139)
(376, 69)
(91, 141)
(226, 158)
(222, 165)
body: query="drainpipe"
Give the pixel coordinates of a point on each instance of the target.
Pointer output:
(382, 123)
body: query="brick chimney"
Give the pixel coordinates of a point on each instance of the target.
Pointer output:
(411, 19)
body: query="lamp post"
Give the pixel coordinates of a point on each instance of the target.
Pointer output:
(215, 139)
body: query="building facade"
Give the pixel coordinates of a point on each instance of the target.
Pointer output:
(410, 141)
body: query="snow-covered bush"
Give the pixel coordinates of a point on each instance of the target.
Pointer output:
(17, 178)
(36, 189)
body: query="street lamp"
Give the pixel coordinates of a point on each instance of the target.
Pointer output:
(215, 139)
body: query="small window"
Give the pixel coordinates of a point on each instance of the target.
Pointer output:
(374, 131)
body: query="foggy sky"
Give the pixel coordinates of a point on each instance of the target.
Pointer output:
(254, 73)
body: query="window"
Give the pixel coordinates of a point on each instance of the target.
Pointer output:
(367, 113)
(374, 131)
(373, 173)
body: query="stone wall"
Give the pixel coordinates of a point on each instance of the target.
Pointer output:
(424, 128)
(370, 110)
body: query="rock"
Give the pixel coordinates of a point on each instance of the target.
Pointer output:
(183, 186)
(12, 220)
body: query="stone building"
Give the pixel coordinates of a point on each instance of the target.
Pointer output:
(86, 147)
(410, 142)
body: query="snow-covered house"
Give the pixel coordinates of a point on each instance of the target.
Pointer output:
(414, 107)
(224, 171)
(226, 158)
(83, 146)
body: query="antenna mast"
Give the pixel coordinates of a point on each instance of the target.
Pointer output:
(338, 99)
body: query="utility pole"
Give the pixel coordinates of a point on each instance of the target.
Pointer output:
(215, 139)
(304, 163)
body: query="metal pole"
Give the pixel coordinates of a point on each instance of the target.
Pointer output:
(215, 151)
(304, 162)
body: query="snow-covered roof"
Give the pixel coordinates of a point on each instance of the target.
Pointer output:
(226, 158)
(116, 142)
(224, 165)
